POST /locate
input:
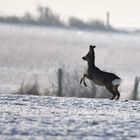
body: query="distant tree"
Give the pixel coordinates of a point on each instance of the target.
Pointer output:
(75, 22)
(41, 11)
(46, 16)
(27, 18)
(12, 19)
(93, 24)
(96, 24)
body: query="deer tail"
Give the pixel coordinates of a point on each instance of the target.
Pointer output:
(116, 82)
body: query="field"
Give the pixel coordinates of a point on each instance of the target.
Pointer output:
(61, 118)
(32, 56)
(27, 51)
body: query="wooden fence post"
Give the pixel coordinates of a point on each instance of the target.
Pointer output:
(60, 74)
(135, 89)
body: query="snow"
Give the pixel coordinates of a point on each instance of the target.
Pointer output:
(60, 118)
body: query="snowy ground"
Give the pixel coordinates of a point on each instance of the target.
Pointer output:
(52, 118)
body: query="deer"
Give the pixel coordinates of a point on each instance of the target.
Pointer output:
(109, 80)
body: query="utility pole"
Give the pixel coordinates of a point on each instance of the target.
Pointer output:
(107, 19)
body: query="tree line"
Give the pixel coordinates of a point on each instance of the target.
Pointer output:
(46, 17)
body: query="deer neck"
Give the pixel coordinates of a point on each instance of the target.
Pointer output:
(91, 66)
(91, 62)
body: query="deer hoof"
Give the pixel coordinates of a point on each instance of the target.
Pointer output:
(85, 84)
(81, 81)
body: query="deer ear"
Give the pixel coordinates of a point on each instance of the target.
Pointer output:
(92, 47)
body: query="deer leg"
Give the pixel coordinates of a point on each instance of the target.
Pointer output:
(83, 79)
(117, 92)
(118, 95)
(109, 88)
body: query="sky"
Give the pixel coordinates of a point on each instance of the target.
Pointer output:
(123, 13)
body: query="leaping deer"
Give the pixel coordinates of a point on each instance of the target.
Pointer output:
(99, 77)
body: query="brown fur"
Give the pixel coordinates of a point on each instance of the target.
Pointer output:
(98, 76)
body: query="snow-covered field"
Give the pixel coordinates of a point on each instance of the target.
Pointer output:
(53, 118)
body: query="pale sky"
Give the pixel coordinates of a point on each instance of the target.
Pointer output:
(123, 13)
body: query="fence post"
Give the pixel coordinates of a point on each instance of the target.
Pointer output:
(60, 74)
(135, 89)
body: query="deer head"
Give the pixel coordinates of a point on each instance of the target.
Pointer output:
(88, 55)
